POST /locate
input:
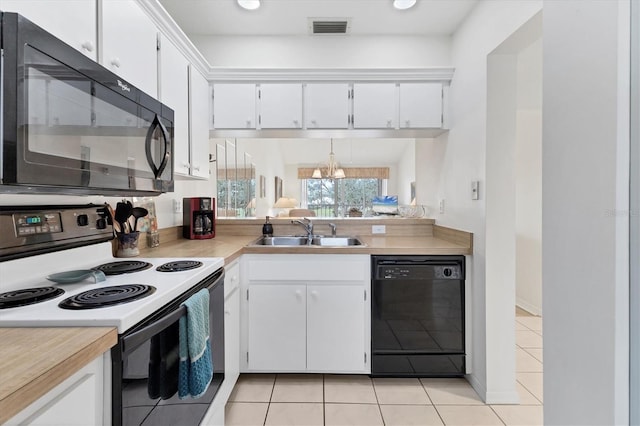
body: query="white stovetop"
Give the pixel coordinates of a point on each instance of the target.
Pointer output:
(31, 272)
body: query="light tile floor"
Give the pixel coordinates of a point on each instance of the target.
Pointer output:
(317, 399)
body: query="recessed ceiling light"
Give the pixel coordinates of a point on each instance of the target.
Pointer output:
(403, 4)
(251, 4)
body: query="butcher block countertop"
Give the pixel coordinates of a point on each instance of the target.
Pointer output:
(35, 360)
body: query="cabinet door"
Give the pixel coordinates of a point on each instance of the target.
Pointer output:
(174, 80)
(129, 44)
(198, 115)
(277, 327)
(234, 106)
(375, 106)
(280, 106)
(232, 336)
(420, 105)
(72, 21)
(78, 400)
(326, 106)
(335, 328)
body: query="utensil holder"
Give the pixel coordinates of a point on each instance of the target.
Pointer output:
(127, 244)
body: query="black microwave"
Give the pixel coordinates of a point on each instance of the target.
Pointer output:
(70, 126)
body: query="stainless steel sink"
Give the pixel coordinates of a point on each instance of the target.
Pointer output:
(317, 240)
(281, 241)
(338, 241)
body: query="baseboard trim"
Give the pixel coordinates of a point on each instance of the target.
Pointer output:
(480, 389)
(498, 398)
(532, 309)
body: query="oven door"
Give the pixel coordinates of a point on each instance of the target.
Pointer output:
(145, 365)
(72, 126)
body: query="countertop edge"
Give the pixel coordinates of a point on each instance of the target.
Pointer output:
(55, 374)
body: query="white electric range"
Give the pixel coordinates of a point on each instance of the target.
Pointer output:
(31, 273)
(144, 304)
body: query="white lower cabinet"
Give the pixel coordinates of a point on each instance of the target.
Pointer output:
(335, 324)
(79, 400)
(307, 313)
(277, 329)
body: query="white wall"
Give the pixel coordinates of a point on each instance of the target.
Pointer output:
(528, 157)
(585, 208)
(321, 51)
(429, 159)
(164, 203)
(488, 25)
(406, 174)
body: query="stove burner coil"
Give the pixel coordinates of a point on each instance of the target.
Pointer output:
(179, 265)
(107, 296)
(123, 267)
(28, 296)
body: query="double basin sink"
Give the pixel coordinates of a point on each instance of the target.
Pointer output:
(316, 240)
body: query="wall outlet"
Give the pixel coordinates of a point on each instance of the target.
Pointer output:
(441, 206)
(177, 206)
(378, 229)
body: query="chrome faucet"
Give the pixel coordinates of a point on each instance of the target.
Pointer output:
(333, 229)
(308, 227)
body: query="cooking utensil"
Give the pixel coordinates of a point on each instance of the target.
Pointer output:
(123, 211)
(112, 219)
(70, 277)
(137, 213)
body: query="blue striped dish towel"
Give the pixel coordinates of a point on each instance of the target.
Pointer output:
(196, 367)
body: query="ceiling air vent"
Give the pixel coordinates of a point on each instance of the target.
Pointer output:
(329, 26)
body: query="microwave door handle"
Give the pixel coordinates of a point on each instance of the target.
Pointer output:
(157, 171)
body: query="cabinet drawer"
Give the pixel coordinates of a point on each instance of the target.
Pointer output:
(316, 267)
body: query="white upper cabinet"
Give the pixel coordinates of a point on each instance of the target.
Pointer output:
(375, 106)
(234, 106)
(280, 106)
(420, 105)
(174, 92)
(199, 124)
(129, 44)
(72, 21)
(326, 106)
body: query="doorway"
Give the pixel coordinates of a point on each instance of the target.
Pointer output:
(513, 210)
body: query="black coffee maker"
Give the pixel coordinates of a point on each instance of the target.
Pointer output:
(198, 218)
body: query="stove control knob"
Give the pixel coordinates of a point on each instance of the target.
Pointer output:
(101, 223)
(83, 220)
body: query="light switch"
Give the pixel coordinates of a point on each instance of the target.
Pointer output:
(475, 185)
(441, 206)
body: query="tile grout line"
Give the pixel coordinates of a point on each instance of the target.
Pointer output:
(432, 403)
(497, 415)
(275, 377)
(373, 385)
(324, 406)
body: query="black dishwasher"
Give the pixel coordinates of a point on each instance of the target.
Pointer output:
(417, 316)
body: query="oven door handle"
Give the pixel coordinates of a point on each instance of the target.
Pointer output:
(132, 341)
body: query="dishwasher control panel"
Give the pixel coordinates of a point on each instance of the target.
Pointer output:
(419, 272)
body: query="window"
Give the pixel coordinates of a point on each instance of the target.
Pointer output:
(334, 197)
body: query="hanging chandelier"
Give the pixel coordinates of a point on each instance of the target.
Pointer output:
(333, 170)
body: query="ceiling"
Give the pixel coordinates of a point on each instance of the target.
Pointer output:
(291, 17)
